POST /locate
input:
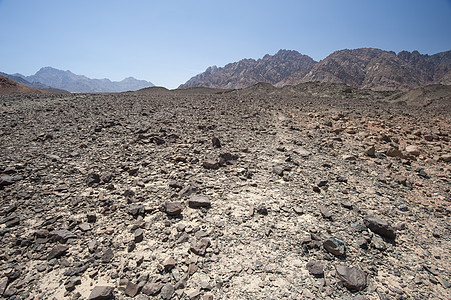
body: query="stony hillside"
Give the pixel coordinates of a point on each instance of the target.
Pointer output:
(247, 72)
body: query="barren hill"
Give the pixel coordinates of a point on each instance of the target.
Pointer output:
(8, 86)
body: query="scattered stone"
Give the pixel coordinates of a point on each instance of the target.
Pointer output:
(315, 268)
(325, 212)
(380, 227)
(211, 164)
(200, 247)
(139, 235)
(175, 184)
(61, 235)
(347, 205)
(198, 201)
(101, 293)
(278, 170)
(166, 291)
(334, 246)
(131, 289)
(351, 277)
(370, 151)
(261, 209)
(378, 243)
(92, 217)
(216, 142)
(136, 209)
(152, 288)
(92, 178)
(173, 208)
(169, 263)
(412, 150)
(57, 251)
(322, 182)
(84, 227)
(298, 210)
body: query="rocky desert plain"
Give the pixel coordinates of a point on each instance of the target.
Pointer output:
(309, 191)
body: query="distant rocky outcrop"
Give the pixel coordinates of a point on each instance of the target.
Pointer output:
(359, 68)
(66, 80)
(247, 72)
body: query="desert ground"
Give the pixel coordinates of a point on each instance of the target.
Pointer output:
(315, 191)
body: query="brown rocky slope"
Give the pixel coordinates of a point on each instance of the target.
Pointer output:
(8, 86)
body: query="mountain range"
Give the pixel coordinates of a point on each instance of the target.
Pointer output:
(360, 68)
(49, 78)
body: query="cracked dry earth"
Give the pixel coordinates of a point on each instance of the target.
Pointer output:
(248, 194)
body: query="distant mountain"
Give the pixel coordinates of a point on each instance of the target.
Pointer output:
(66, 80)
(378, 69)
(360, 68)
(36, 85)
(247, 72)
(8, 86)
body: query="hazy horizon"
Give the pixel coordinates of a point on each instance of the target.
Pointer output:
(168, 43)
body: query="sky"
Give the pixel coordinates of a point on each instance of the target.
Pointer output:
(169, 41)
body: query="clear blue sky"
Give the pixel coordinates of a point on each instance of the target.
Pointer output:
(169, 41)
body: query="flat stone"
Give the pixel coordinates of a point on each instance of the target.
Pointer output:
(173, 208)
(152, 288)
(334, 246)
(380, 227)
(278, 170)
(131, 289)
(211, 164)
(198, 201)
(412, 150)
(84, 227)
(101, 293)
(169, 263)
(351, 277)
(136, 210)
(200, 247)
(57, 251)
(370, 151)
(61, 235)
(325, 212)
(166, 291)
(315, 268)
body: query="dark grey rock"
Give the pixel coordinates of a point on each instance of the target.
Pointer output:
(101, 293)
(211, 164)
(198, 201)
(315, 268)
(131, 289)
(92, 178)
(200, 247)
(380, 227)
(61, 235)
(139, 235)
(334, 246)
(173, 208)
(57, 251)
(351, 277)
(152, 288)
(166, 291)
